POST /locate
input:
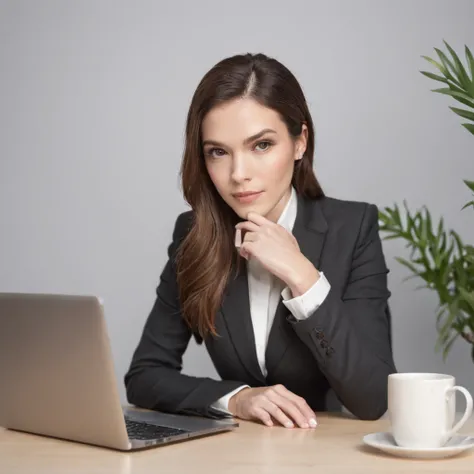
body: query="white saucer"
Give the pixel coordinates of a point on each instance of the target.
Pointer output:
(385, 442)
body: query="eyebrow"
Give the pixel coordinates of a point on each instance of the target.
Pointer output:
(246, 141)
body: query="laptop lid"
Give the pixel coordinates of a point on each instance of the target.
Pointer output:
(56, 370)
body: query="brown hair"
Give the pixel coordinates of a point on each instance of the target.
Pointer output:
(207, 256)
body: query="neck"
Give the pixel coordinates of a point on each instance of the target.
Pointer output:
(277, 211)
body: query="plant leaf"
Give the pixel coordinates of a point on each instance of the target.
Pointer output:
(451, 315)
(461, 71)
(469, 184)
(463, 113)
(435, 77)
(468, 297)
(408, 264)
(470, 61)
(446, 341)
(441, 226)
(458, 240)
(396, 216)
(456, 95)
(436, 64)
(449, 67)
(461, 91)
(448, 345)
(469, 204)
(469, 127)
(391, 237)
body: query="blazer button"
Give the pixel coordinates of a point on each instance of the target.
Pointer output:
(329, 351)
(319, 335)
(324, 344)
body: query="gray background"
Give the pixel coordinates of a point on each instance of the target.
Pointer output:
(93, 101)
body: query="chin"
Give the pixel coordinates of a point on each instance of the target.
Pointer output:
(242, 211)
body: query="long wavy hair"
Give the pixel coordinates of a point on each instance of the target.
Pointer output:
(206, 258)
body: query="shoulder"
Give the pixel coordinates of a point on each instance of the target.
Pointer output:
(335, 208)
(182, 225)
(184, 220)
(356, 218)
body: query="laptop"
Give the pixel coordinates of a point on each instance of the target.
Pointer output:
(57, 378)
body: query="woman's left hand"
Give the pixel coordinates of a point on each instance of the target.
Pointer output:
(277, 250)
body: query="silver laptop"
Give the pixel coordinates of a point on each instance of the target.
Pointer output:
(57, 378)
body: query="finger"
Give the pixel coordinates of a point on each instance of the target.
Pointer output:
(262, 415)
(250, 236)
(258, 219)
(246, 250)
(300, 402)
(277, 413)
(289, 408)
(238, 238)
(248, 226)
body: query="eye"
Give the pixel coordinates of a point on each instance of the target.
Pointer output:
(215, 152)
(266, 145)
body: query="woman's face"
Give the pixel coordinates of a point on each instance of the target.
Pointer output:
(248, 149)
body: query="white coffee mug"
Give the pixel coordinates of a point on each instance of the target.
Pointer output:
(422, 408)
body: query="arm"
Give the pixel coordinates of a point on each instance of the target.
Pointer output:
(304, 305)
(301, 307)
(349, 333)
(154, 380)
(222, 404)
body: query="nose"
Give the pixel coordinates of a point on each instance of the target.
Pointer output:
(241, 169)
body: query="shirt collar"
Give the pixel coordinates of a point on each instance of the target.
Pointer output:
(288, 216)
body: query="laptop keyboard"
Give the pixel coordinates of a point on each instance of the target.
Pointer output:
(143, 431)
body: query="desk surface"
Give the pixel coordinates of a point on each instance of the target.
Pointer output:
(335, 446)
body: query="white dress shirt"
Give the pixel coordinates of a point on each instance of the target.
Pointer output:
(264, 295)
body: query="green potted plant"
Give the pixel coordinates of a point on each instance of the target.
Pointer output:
(438, 256)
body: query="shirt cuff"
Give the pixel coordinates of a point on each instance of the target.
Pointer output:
(304, 305)
(222, 404)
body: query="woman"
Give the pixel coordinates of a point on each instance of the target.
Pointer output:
(287, 288)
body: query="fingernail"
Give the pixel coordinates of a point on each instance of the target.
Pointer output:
(238, 238)
(313, 423)
(288, 424)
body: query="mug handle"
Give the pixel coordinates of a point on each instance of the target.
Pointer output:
(467, 413)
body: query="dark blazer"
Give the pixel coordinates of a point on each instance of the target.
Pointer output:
(345, 345)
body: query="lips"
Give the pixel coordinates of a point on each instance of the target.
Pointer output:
(246, 194)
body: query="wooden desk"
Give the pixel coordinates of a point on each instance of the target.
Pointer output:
(335, 446)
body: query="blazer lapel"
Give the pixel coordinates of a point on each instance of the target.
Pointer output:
(310, 230)
(236, 311)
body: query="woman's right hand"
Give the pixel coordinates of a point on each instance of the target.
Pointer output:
(272, 403)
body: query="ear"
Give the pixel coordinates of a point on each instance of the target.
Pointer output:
(301, 143)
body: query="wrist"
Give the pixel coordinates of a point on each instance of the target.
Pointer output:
(302, 278)
(234, 401)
